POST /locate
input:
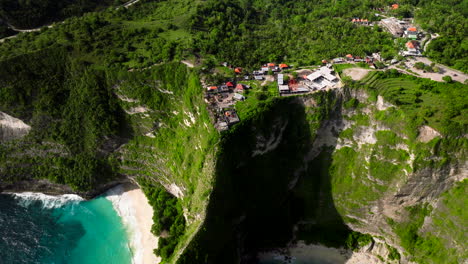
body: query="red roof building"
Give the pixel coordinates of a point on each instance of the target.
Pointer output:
(412, 44)
(229, 84)
(239, 87)
(349, 56)
(211, 88)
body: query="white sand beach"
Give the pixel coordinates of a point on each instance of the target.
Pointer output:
(137, 215)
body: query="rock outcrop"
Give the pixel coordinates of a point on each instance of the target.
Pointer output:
(12, 128)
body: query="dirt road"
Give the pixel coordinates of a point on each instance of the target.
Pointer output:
(444, 70)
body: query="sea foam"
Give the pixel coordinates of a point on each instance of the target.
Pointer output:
(47, 201)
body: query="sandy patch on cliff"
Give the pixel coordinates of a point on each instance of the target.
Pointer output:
(137, 215)
(137, 110)
(427, 133)
(355, 73)
(11, 128)
(381, 104)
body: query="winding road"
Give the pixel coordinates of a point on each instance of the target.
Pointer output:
(126, 5)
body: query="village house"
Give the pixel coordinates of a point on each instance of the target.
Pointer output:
(321, 78)
(393, 25)
(223, 88)
(338, 60)
(358, 59)
(231, 116)
(413, 48)
(239, 88)
(358, 21)
(282, 88)
(238, 97)
(212, 89)
(411, 33)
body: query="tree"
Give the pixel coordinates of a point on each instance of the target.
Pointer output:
(419, 65)
(447, 79)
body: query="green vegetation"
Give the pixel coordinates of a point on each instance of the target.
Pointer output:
(425, 67)
(357, 240)
(90, 84)
(168, 218)
(449, 19)
(295, 31)
(67, 104)
(423, 248)
(28, 14)
(393, 253)
(420, 101)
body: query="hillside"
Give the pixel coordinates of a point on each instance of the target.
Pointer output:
(377, 166)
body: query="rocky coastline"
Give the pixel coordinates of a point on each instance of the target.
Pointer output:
(47, 187)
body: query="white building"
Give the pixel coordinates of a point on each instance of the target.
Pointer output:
(322, 78)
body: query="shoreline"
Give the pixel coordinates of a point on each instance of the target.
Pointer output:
(136, 213)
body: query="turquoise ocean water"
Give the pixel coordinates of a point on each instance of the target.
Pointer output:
(36, 228)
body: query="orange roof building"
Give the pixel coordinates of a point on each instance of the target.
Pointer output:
(271, 65)
(282, 66)
(349, 56)
(395, 6)
(412, 44)
(238, 70)
(412, 29)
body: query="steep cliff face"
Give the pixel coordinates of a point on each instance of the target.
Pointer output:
(381, 177)
(313, 168)
(352, 163)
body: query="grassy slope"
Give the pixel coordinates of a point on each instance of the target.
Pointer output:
(181, 152)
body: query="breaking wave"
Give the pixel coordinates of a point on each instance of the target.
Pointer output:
(27, 199)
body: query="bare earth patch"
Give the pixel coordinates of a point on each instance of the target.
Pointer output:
(355, 73)
(427, 133)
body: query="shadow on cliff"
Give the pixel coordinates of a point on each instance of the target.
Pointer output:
(255, 205)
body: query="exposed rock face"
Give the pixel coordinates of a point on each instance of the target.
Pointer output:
(12, 128)
(373, 199)
(427, 133)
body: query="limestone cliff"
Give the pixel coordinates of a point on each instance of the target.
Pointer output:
(335, 162)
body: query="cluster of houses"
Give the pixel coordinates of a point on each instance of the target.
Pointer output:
(362, 22)
(221, 100)
(260, 74)
(350, 58)
(398, 28)
(404, 28)
(320, 79)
